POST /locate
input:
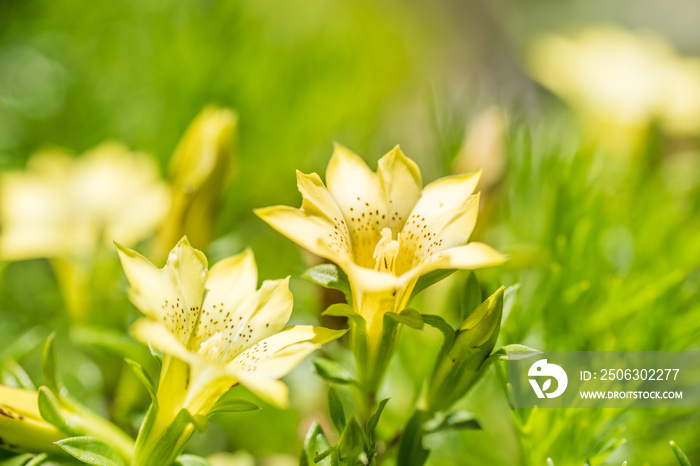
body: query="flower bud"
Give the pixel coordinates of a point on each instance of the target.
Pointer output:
(200, 169)
(461, 365)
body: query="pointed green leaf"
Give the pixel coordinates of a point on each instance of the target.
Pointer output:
(510, 297)
(191, 460)
(409, 317)
(48, 365)
(430, 279)
(331, 371)
(51, 412)
(330, 276)
(314, 443)
(335, 409)
(374, 418)
(90, 450)
(145, 379)
(352, 441)
(411, 451)
(682, 458)
(456, 420)
(517, 352)
(37, 460)
(18, 460)
(232, 406)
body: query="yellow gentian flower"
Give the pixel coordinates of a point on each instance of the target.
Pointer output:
(216, 322)
(64, 207)
(620, 82)
(384, 229)
(21, 426)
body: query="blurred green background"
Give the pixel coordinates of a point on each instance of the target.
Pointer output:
(604, 241)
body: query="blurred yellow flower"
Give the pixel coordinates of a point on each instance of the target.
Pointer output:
(384, 229)
(21, 426)
(65, 207)
(618, 78)
(217, 324)
(200, 170)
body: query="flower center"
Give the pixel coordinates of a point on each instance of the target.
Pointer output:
(211, 348)
(386, 251)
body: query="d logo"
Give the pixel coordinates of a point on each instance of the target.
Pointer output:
(542, 369)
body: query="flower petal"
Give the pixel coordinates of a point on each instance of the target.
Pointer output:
(402, 183)
(359, 193)
(309, 231)
(269, 390)
(159, 337)
(444, 202)
(172, 294)
(278, 354)
(264, 314)
(470, 256)
(230, 282)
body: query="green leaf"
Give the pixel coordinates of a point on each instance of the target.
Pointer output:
(470, 296)
(330, 276)
(232, 406)
(20, 377)
(48, 365)
(448, 333)
(145, 379)
(191, 460)
(518, 352)
(430, 279)
(374, 418)
(456, 420)
(335, 409)
(51, 411)
(409, 317)
(331, 371)
(352, 441)
(324, 454)
(157, 355)
(91, 451)
(682, 458)
(314, 443)
(37, 460)
(358, 334)
(18, 460)
(550, 462)
(411, 451)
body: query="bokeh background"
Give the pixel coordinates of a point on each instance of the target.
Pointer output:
(591, 183)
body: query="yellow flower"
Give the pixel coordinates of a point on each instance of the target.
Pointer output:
(64, 207)
(384, 229)
(200, 169)
(614, 77)
(217, 324)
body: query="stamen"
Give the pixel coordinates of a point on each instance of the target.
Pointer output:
(386, 251)
(212, 347)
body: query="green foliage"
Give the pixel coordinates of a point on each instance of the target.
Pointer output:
(90, 450)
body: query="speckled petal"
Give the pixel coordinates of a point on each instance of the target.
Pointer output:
(173, 294)
(470, 256)
(309, 231)
(231, 281)
(159, 337)
(278, 354)
(265, 313)
(359, 193)
(402, 183)
(443, 217)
